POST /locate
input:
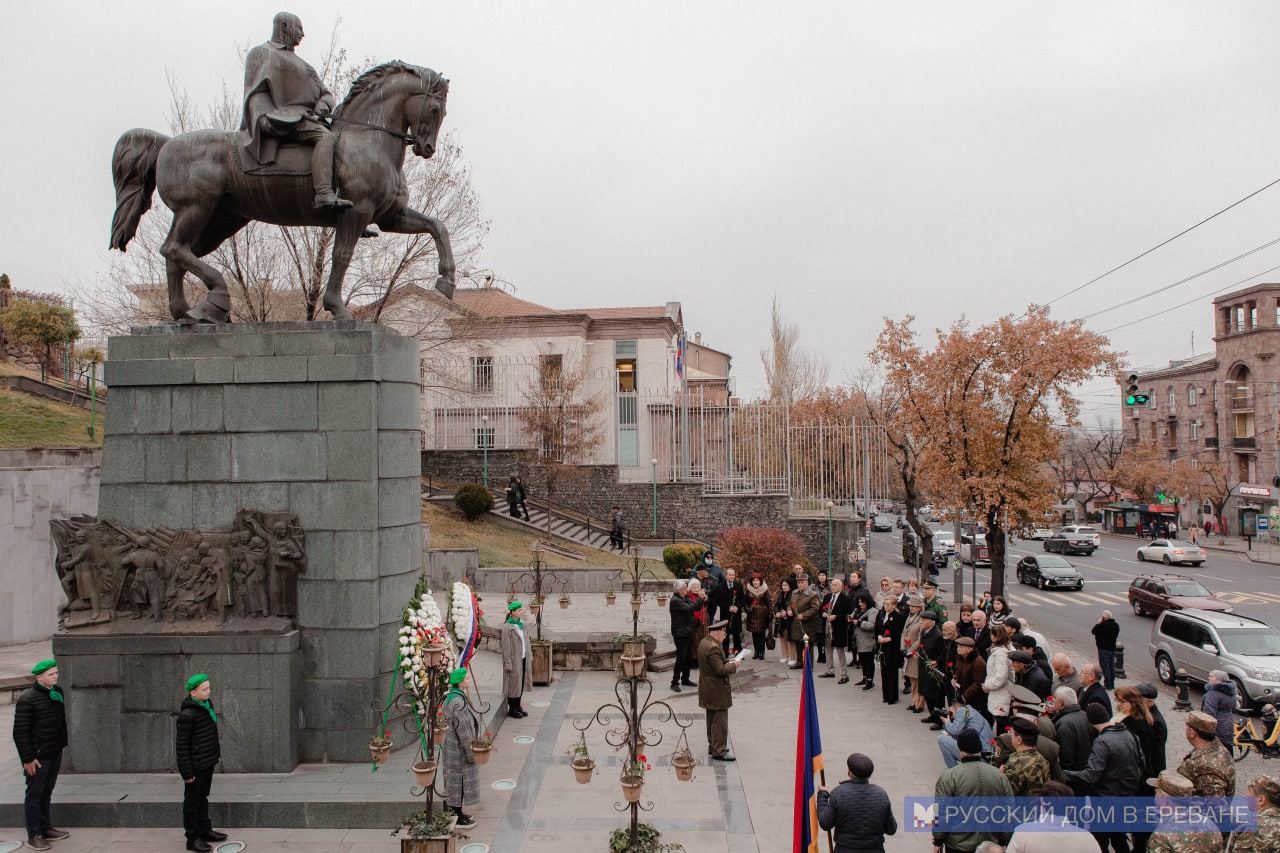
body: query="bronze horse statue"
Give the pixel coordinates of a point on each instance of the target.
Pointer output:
(202, 179)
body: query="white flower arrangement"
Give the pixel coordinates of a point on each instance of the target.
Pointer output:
(462, 612)
(422, 627)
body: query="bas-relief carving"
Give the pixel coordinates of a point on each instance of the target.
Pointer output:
(179, 578)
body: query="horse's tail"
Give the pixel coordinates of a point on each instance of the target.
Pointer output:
(133, 166)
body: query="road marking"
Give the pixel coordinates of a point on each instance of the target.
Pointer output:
(1113, 599)
(1212, 578)
(1043, 598)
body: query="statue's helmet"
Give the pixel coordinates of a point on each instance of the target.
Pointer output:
(286, 29)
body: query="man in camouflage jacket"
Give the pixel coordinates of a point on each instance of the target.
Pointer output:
(1208, 765)
(1266, 839)
(1026, 768)
(1177, 834)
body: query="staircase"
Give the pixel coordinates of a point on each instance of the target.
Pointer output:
(566, 528)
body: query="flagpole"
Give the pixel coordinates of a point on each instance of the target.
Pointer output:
(822, 773)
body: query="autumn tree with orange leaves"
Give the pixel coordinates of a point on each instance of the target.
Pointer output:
(981, 407)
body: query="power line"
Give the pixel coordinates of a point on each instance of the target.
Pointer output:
(1161, 245)
(1190, 301)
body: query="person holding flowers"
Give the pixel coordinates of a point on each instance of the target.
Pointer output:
(517, 667)
(461, 774)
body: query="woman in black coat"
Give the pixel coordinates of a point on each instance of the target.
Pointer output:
(782, 622)
(198, 752)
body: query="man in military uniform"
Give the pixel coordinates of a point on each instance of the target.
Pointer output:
(1178, 834)
(929, 590)
(1026, 768)
(1208, 765)
(806, 608)
(285, 101)
(715, 693)
(1266, 839)
(81, 579)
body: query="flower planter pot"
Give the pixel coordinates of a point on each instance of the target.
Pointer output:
(542, 660)
(633, 666)
(380, 753)
(481, 752)
(610, 599)
(635, 604)
(444, 844)
(583, 769)
(564, 604)
(684, 765)
(433, 656)
(442, 732)
(662, 601)
(535, 608)
(631, 786)
(633, 648)
(425, 773)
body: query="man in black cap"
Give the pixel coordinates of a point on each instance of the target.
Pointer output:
(932, 672)
(972, 777)
(1114, 770)
(715, 694)
(857, 810)
(1028, 674)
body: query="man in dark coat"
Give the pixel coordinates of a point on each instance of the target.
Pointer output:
(40, 734)
(981, 633)
(806, 609)
(1114, 770)
(198, 753)
(889, 624)
(970, 672)
(932, 674)
(682, 609)
(730, 602)
(1028, 674)
(857, 810)
(285, 101)
(715, 694)
(836, 607)
(1075, 735)
(1105, 634)
(1091, 678)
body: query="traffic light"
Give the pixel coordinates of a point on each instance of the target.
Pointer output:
(1132, 396)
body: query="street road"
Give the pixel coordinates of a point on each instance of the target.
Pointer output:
(1065, 617)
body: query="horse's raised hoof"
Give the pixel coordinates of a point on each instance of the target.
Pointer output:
(445, 286)
(331, 201)
(207, 312)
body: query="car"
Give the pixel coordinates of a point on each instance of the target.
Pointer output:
(1049, 571)
(945, 541)
(1156, 593)
(900, 522)
(880, 524)
(1248, 650)
(911, 552)
(1037, 532)
(973, 549)
(1169, 551)
(1074, 539)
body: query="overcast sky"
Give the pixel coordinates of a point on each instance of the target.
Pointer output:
(855, 159)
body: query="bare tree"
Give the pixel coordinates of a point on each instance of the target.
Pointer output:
(790, 373)
(564, 424)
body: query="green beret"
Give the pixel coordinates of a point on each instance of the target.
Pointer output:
(196, 680)
(515, 605)
(43, 666)
(456, 676)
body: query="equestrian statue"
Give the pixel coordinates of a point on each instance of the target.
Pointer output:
(297, 160)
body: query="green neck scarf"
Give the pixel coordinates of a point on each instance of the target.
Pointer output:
(55, 694)
(205, 704)
(454, 691)
(511, 620)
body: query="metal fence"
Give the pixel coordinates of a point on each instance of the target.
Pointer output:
(666, 435)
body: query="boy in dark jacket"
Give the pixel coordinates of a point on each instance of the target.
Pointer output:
(198, 753)
(40, 733)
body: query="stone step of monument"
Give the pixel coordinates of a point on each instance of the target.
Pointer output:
(662, 661)
(11, 688)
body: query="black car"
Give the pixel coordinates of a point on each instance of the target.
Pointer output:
(1049, 571)
(911, 552)
(880, 524)
(1073, 540)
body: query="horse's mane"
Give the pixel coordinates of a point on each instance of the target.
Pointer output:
(435, 82)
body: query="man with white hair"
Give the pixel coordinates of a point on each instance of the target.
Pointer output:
(1091, 678)
(682, 608)
(1075, 735)
(1064, 674)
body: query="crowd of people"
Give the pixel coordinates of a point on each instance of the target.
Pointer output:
(1013, 717)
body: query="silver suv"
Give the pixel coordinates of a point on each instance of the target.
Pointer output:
(1202, 640)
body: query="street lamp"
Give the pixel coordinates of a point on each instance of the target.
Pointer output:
(830, 508)
(484, 443)
(654, 463)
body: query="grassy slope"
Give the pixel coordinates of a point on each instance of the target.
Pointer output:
(503, 546)
(27, 421)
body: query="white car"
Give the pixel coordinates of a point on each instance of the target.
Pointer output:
(1170, 551)
(1037, 531)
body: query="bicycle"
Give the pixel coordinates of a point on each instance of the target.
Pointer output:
(1247, 738)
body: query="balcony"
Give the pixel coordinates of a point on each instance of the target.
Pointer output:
(1210, 441)
(1249, 443)
(1242, 403)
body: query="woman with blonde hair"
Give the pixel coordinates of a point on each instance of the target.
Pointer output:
(999, 677)
(1132, 710)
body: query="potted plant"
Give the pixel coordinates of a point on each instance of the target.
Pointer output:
(535, 606)
(648, 840)
(632, 778)
(434, 640)
(634, 666)
(684, 762)
(581, 761)
(423, 832)
(610, 597)
(662, 598)
(380, 746)
(564, 600)
(634, 645)
(481, 747)
(442, 728)
(636, 601)
(425, 772)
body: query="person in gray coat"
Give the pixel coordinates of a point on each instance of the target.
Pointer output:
(857, 810)
(461, 774)
(1075, 735)
(1220, 702)
(517, 669)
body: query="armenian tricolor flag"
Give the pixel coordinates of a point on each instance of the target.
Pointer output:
(808, 763)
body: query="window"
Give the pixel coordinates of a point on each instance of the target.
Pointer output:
(1195, 463)
(1153, 431)
(483, 437)
(1239, 319)
(1253, 316)
(624, 363)
(1191, 395)
(550, 369)
(482, 374)
(1176, 628)
(1173, 399)
(1194, 433)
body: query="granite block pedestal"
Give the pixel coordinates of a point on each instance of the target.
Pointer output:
(320, 419)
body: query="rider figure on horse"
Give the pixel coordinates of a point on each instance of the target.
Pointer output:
(285, 101)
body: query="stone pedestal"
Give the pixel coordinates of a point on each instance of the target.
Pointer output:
(320, 419)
